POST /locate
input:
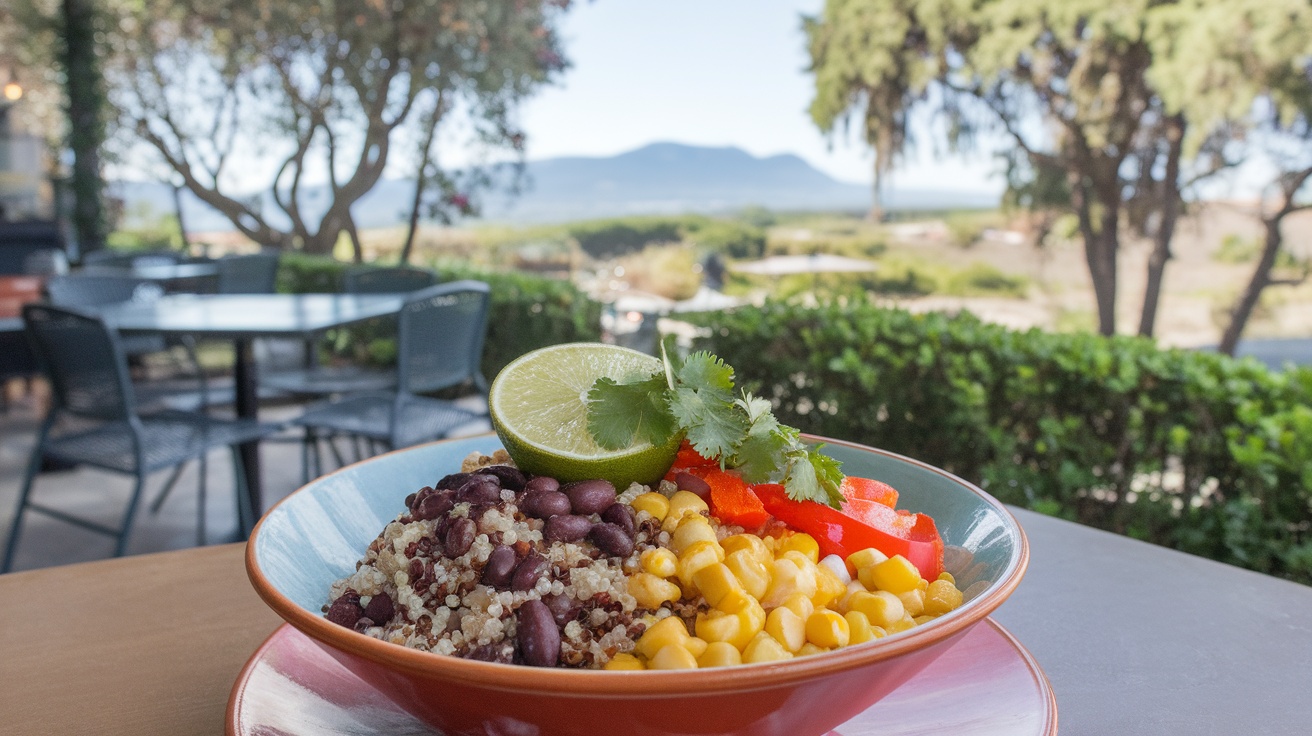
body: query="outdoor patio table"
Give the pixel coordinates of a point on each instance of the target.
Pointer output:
(241, 318)
(172, 277)
(1135, 639)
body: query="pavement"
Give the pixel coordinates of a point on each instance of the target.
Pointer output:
(103, 496)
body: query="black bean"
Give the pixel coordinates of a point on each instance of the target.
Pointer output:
(566, 528)
(380, 608)
(590, 496)
(542, 483)
(621, 515)
(539, 639)
(563, 608)
(453, 481)
(434, 505)
(500, 567)
(693, 484)
(510, 477)
(612, 539)
(528, 572)
(459, 537)
(544, 504)
(480, 489)
(346, 610)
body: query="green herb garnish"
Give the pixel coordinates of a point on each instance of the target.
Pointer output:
(696, 397)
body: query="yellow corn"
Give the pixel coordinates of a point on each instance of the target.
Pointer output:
(751, 619)
(896, 575)
(765, 648)
(682, 503)
(691, 529)
(881, 607)
(665, 632)
(800, 542)
(696, 645)
(653, 503)
(720, 654)
(697, 556)
(913, 601)
(651, 591)
(672, 657)
(942, 597)
(753, 575)
(854, 587)
(860, 629)
(838, 567)
(786, 627)
(659, 561)
(750, 542)
(718, 626)
(808, 649)
(948, 577)
(829, 588)
(922, 620)
(902, 624)
(828, 629)
(625, 661)
(800, 605)
(801, 560)
(868, 557)
(923, 585)
(786, 578)
(715, 582)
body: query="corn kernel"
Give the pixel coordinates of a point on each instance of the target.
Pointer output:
(765, 648)
(808, 649)
(786, 627)
(699, 555)
(913, 601)
(682, 503)
(942, 597)
(752, 574)
(624, 661)
(720, 654)
(800, 605)
(923, 585)
(881, 607)
(693, 528)
(659, 561)
(800, 542)
(696, 645)
(854, 587)
(859, 628)
(827, 629)
(828, 586)
(922, 620)
(902, 624)
(735, 601)
(672, 657)
(718, 626)
(650, 591)
(786, 578)
(948, 577)
(896, 575)
(868, 557)
(653, 503)
(838, 567)
(754, 544)
(667, 631)
(801, 560)
(715, 582)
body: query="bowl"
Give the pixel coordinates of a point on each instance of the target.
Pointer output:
(316, 535)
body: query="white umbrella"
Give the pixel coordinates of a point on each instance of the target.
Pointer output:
(815, 263)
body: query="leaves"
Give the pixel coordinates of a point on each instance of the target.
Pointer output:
(624, 414)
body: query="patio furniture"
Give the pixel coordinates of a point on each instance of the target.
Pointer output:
(389, 280)
(440, 332)
(250, 274)
(93, 421)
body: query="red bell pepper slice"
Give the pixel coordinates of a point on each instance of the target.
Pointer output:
(731, 500)
(860, 525)
(688, 458)
(869, 490)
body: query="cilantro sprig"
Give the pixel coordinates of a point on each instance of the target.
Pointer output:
(696, 397)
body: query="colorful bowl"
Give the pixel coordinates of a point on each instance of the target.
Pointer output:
(315, 536)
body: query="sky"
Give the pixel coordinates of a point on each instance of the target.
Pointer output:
(719, 73)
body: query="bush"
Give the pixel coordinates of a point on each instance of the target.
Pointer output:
(731, 239)
(1191, 450)
(982, 279)
(612, 238)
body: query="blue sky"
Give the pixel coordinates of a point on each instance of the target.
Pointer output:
(719, 73)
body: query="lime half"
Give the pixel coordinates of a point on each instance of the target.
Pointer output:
(539, 409)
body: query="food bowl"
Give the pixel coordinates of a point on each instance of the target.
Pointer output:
(316, 535)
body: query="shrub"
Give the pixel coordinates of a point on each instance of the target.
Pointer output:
(732, 239)
(612, 238)
(982, 279)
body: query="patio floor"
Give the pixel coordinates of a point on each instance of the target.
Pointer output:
(103, 496)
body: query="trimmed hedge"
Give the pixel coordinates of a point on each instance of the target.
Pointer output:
(1195, 451)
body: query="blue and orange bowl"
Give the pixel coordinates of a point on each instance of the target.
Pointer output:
(315, 536)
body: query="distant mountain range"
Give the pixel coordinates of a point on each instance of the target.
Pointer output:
(661, 178)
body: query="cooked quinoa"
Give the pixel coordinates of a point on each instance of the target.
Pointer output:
(441, 576)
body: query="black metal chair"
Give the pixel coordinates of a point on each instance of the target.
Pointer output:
(256, 273)
(93, 421)
(390, 280)
(440, 333)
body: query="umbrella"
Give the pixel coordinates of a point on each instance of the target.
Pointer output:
(815, 263)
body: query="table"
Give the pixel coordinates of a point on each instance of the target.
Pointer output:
(1136, 640)
(241, 318)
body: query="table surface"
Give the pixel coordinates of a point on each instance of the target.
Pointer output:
(1135, 639)
(157, 271)
(249, 315)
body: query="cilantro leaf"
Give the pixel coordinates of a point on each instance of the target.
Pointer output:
(828, 474)
(761, 451)
(622, 414)
(713, 427)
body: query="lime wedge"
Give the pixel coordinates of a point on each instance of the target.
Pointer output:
(538, 405)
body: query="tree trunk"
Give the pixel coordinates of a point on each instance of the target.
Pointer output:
(876, 214)
(1170, 212)
(1247, 302)
(86, 101)
(182, 223)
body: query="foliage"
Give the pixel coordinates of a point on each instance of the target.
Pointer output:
(671, 271)
(738, 240)
(1191, 450)
(618, 236)
(982, 279)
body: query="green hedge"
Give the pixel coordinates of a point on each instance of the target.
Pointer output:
(1190, 450)
(526, 312)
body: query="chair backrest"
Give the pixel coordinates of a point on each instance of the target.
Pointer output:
(87, 290)
(391, 280)
(440, 335)
(83, 361)
(252, 274)
(127, 259)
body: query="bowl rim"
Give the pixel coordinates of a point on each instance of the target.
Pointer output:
(561, 682)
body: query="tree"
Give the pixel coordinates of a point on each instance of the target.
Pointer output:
(228, 92)
(85, 97)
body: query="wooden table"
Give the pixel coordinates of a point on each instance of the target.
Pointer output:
(1135, 639)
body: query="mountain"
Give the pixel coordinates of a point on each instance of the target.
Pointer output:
(661, 178)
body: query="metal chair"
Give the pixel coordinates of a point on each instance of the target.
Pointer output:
(391, 280)
(440, 333)
(93, 421)
(251, 274)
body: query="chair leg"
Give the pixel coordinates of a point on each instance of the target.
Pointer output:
(33, 467)
(164, 492)
(337, 454)
(245, 511)
(126, 528)
(202, 471)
